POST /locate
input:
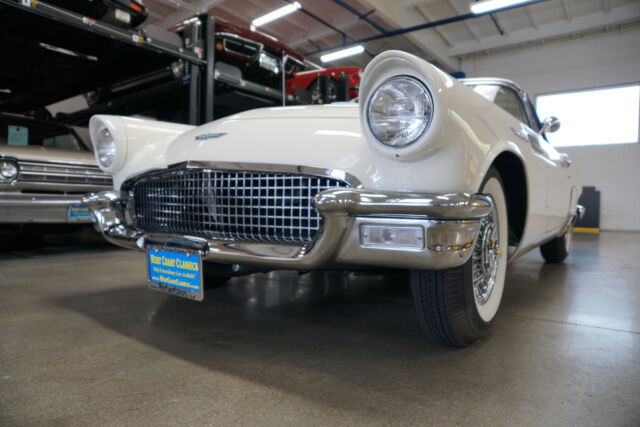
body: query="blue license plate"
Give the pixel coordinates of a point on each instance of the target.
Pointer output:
(175, 273)
(79, 213)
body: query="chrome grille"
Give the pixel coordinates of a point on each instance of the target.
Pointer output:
(231, 205)
(61, 173)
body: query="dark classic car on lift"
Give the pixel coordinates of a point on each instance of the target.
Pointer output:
(122, 13)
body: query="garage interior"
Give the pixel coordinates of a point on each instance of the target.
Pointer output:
(84, 341)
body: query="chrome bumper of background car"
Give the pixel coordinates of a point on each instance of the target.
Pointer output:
(18, 208)
(449, 224)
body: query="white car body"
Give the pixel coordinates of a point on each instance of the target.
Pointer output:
(469, 133)
(313, 187)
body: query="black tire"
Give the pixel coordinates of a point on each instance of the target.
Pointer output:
(316, 96)
(30, 236)
(555, 251)
(213, 282)
(445, 300)
(214, 277)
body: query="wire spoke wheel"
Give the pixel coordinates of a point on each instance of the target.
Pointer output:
(457, 306)
(485, 260)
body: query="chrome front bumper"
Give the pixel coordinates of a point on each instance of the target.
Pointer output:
(19, 208)
(451, 223)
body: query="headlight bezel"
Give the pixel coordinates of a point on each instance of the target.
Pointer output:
(117, 130)
(5, 179)
(425, 124)
(105, 156)
(392, 63)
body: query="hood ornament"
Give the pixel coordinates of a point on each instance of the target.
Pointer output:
(210, 135)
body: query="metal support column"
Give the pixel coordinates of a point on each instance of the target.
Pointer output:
(208, 76)
(194, 92)
(284, 78)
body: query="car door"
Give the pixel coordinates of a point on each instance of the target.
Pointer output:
(537, 160)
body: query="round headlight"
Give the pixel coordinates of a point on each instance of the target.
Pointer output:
(399, 111)
(106, 147)
(8, 170)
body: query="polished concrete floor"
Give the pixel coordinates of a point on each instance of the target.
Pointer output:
(84, 342)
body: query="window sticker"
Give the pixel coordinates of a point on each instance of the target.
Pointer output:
(18, 135)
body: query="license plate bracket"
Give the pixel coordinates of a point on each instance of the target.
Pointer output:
(175, 272)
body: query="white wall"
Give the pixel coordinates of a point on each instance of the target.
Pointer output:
(597, 60)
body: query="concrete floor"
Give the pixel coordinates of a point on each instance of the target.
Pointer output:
(84, 342)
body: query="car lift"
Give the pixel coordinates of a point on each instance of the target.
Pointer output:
(202, 72)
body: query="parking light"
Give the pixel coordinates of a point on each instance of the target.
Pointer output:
(392, 237)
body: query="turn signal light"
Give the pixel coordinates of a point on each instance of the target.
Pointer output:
(391, 237)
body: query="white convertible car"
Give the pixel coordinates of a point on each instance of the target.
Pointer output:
(450, 179)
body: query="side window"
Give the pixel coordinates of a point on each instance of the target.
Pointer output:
(64, 142)
(504, 98)
(21, 132)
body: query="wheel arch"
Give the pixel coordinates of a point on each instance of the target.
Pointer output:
(513, 175)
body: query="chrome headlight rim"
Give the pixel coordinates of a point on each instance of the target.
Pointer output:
(106, 149)
(8, 179)
(426, 124)
(117, 130)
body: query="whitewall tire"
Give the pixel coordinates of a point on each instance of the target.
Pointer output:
(457, 306)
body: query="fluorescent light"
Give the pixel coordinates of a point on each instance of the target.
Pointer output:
(342, 53)
(276, 14)
(493, 5)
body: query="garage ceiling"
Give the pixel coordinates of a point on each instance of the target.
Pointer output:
(443, 45)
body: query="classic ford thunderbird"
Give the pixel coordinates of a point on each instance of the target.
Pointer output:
(448, 179)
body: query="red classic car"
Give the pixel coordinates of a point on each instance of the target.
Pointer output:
(308, 80)
(258, 55)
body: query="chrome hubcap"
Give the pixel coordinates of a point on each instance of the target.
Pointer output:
(486, 255)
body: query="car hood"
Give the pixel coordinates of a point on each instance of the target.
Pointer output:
(323, 137)
(43, 154)
(336, 110)
(306, 135)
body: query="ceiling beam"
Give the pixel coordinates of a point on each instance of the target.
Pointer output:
(344, 23)
(460, 11)
(579, 24)
(176, 4)
(429, 17)
(412, 3)
(185, 10)
(427, 40)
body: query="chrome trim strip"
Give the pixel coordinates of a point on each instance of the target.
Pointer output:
(524, 96)
(452, 206)
(255, 167)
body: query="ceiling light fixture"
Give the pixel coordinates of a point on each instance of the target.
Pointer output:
(488, 6)
(339, 54)
(276, 14)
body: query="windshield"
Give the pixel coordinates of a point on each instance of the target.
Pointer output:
(503, 97)
(21, 132)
